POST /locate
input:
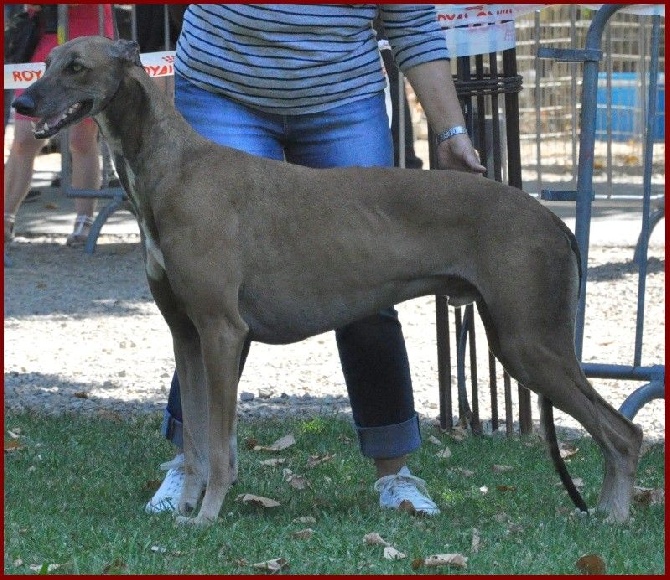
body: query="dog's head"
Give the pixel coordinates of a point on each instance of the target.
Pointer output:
(81, 77)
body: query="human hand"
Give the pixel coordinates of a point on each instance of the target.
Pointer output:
(458, 153)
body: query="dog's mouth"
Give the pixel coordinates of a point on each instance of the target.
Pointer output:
(49, 126)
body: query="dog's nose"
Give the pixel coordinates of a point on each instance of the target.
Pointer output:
(24, 105)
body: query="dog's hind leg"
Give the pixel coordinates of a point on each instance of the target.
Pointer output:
(548, 366)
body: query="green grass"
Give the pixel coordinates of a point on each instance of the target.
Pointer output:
(75, 491)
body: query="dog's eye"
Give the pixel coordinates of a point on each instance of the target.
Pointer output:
(75, 67)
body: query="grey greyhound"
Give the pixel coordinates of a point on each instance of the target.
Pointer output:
(240, 246)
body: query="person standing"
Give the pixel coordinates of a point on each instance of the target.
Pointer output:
(86, 174)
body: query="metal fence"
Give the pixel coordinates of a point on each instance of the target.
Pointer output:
(550, 101)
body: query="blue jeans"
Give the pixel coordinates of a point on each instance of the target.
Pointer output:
(372, 350)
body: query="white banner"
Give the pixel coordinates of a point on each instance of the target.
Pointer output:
(483, 28)
(19, 76)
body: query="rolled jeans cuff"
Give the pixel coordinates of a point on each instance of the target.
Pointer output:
(390, 441)
(172, 430)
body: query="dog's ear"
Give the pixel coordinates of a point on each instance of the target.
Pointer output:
(127, 50)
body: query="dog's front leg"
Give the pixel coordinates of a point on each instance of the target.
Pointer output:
(222, 344)
(191, 373)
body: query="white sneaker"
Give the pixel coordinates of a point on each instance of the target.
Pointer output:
(166, 497)
(405, 487)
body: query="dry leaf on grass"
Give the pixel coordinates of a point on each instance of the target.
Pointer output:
(444, 453)
(279, 445)
(506, 487)
(13, 445)
(266, 502)
(315, 460)
(374, 539)
(591, 564)
(304, 520)
(436, 560)
(271, 566)
(390, 553)
(502, 468)
(648, 495)
(305, 534)
(434, 440)
(567, 450)
(298, 482)
(273, 462)
(464, 472)
(458, 434)
(44, 568)
(476, 541)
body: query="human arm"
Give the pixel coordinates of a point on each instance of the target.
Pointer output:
(420, 50)
(434, 87)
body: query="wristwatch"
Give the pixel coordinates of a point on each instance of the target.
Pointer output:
(448, 133)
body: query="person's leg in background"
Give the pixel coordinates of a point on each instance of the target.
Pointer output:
(86, 174)
(372, 350)
(19, 171)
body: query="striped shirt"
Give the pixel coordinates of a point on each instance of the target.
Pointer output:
(300, 58)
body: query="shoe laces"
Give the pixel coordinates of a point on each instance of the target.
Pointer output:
(403, 480)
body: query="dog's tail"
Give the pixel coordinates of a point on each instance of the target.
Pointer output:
(547, 420)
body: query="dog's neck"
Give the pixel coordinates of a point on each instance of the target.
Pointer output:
(141, 127)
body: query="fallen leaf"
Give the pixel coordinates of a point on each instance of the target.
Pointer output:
(115, 567)
(14, 434)
(266, 502)
(434, 440)
(648, 495)
(444, 453)
(273, 462)
(484, 489)
(305, 534)
(250, 443)
(279, 445)
(51, 205)
(506, 487)
(502, 468)
(158, 549)
(476, 541)
(13, 445)
(591, 564)
(271, 566)
(304, 520)
(457, 560)
(44, 568)
(390, 553)
(80, 395)
(373, 538)
(298, 482)
(464, 472)
(315, 460)
(567, 450)
(458, 434)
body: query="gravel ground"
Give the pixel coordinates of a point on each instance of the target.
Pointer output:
(83, 335)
